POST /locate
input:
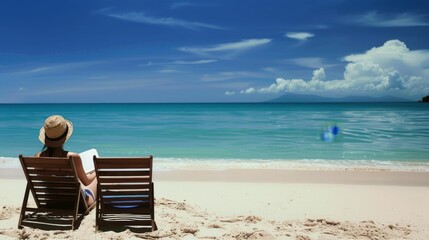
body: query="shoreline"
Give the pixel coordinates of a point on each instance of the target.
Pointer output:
(198, 164)
(347, 177)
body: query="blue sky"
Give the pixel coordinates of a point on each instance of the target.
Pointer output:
(211, 51)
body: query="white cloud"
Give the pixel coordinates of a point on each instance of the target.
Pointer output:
(141, 17)
(374, 19)
(197, 62)
(178, 62)
(168, 71)
(391, 67)
(222, 76)
(248, 91)
(269, 69)
(310, 62)
(229, 93)
(227, 47)
(148, 64)
(299, 35)
(40, 69)
(51, 68)
(318, 75)
(394, 54)
(392, 49)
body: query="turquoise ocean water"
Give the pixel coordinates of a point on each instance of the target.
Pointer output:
(385, 133)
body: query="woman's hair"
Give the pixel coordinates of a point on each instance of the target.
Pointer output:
(50, 150)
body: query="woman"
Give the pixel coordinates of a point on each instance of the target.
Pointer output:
(54, 133)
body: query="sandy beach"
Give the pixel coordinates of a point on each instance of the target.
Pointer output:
(259, 204)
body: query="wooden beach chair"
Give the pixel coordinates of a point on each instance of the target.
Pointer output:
(125, 193)
(56, 190)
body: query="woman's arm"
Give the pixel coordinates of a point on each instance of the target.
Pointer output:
(86, 179)
(91, 176)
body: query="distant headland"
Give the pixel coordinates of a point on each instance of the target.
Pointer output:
(425, 99)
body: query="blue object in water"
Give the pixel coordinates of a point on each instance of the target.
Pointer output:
(335, 130)
(329, 134)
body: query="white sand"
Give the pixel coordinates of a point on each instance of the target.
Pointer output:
(261, 205)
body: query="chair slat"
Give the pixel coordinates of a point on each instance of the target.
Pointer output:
(105, 186)
(124, 173)
(128, 223)
(127, 192)
(48, 172)
(47, 162)
(50, 210)
(56, 179)
(60, 201)
(125, 199)
(125, 180)
(43, 184)
(55, 196)
(103, 163)
(69, 191)
(142, 210)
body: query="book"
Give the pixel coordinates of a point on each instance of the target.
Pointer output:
(88, 159)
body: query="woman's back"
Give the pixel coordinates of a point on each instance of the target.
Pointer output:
(54, 134)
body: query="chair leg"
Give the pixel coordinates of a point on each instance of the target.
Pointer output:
(97, 214)
(24, 206)
(76, 209)
(154, 227)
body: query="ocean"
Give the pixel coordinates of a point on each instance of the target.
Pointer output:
(271, 135)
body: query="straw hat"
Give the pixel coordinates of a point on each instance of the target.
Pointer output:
(53, 132)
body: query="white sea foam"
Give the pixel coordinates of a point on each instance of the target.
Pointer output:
(8, 162)
(163, 164)
(169, 164)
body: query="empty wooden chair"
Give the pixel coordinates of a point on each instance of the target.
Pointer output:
(56, 190)
(125, 193)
